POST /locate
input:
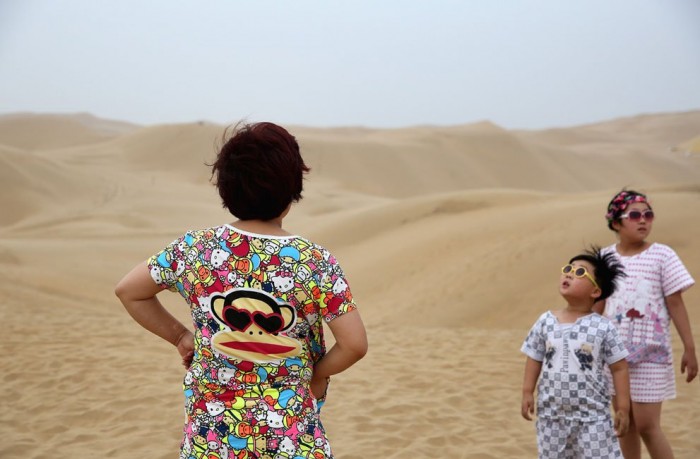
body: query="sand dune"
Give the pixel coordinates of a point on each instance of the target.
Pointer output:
(692, 146)
(33, 185)
(642, 133)
(35, 132)
(181, 149)
(452, 238)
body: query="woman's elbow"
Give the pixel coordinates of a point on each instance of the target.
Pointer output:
(359, 348)
(119, 291)
(122, 291)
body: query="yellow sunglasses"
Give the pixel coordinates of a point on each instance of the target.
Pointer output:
(579, 272)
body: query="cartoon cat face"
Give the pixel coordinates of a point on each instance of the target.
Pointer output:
(275, 420)
(283, 282)
(218, 257)
(339, 286)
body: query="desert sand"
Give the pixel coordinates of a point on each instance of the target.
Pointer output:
(451, 237)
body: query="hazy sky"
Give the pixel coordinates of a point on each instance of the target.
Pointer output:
(378, 63)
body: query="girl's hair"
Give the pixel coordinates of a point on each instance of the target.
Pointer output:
(607, 269)
(620, 202)
(259, 171)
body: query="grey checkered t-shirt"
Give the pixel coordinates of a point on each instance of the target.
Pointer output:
(573, 384)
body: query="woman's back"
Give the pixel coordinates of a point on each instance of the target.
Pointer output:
(257, 304)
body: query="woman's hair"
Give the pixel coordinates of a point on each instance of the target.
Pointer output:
(607, 269)
(259, 171)
(620, 202)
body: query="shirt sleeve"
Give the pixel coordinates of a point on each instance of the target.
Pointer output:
(615, 349)
(534, 345)
(166, 265)
(335, 294)
(675, 277)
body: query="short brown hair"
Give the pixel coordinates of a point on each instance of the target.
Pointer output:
(259, 171)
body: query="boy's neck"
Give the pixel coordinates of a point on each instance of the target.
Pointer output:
(573, 311)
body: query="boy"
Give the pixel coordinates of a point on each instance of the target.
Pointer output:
(568, 349)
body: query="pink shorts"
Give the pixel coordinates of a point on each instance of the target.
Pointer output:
(651, 382)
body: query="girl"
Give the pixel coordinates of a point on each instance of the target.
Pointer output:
(649, 298)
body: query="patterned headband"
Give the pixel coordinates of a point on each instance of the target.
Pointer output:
(620, 202)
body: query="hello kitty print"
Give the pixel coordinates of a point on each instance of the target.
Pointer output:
(258, 304)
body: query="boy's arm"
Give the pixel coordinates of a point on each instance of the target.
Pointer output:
(621, 381)
(679, 315)
(532, 372)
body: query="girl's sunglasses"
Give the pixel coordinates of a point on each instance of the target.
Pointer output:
(579, 272)
(636, 215)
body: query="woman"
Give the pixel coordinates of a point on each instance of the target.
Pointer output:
(257, 367)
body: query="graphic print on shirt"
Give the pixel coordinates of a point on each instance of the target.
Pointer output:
(549, 352)
(641, 324)
(575, 387)
(584, 354)
(253, 323)
(268, 408)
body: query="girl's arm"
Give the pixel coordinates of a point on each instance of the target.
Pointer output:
(532, 372)
(137, 292)
(679, 315)
(621, 382)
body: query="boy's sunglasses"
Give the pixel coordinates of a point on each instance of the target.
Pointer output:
(636, 215)
(579, 272)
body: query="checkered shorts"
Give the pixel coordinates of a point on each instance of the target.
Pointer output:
(563, 438)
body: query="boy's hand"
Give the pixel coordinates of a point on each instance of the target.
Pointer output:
(622, 422)
(527, 408)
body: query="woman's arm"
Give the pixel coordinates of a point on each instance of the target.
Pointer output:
(679, 315)
(532, 372)
(137, 292)
(350, 345)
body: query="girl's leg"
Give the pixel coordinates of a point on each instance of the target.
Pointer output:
(647, 418)
(630, 443)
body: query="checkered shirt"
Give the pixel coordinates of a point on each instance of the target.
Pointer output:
(572, 383)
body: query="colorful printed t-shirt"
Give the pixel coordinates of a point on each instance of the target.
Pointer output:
(257, 305)
(638, 306)
(572, 383)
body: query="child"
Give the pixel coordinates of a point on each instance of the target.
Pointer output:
(568, 349)
(257, 365)
(642, 309)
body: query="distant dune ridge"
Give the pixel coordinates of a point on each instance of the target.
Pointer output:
(452, 239)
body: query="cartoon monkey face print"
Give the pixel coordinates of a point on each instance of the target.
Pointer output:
(254, 325)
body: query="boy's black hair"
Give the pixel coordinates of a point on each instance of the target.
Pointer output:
(607, 270)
